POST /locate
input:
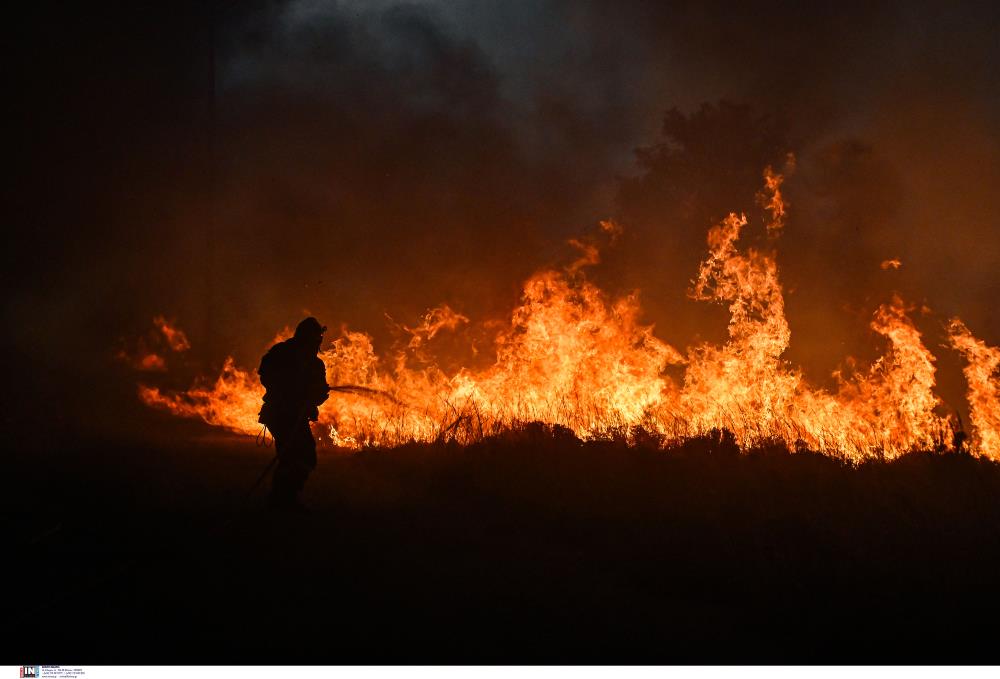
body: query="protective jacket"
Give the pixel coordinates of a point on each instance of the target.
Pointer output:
(295, 380)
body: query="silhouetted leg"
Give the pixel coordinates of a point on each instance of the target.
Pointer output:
(296, 458)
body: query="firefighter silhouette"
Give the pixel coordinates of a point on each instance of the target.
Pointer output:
(295, 379)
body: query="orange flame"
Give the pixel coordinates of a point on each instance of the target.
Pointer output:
(175, 337)
(152, 363)
(771, 198)
(572, 356)
(229, 402)
(984, 387)
(434, 321)
(147, 354)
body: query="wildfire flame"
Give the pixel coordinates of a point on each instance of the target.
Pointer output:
(148, 354)
(571, 356)
(175, 337)
(984, 387)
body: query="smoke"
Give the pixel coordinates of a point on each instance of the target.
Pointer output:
(367, 158)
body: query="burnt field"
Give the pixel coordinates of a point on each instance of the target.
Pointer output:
(532, 547)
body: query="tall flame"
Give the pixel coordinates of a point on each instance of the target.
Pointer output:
(984, 387)
(570, 355)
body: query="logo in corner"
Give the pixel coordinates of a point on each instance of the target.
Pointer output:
(29, 671)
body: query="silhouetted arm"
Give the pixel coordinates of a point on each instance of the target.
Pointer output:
(317, 390)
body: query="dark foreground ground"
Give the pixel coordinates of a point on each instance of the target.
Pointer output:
(536, 548)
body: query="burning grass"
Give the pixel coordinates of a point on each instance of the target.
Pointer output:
(573, 357)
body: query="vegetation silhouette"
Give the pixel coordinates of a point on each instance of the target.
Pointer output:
(530, 546)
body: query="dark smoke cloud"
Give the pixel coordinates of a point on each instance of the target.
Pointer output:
(389, 146)
(362, 158)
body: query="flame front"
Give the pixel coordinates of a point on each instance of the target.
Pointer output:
(569, 355)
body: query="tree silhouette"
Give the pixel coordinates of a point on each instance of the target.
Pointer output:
(705, 165)
(708, 163)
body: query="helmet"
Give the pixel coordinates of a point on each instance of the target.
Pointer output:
(309, 327)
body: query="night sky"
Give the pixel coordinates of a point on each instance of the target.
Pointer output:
(234, 166)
